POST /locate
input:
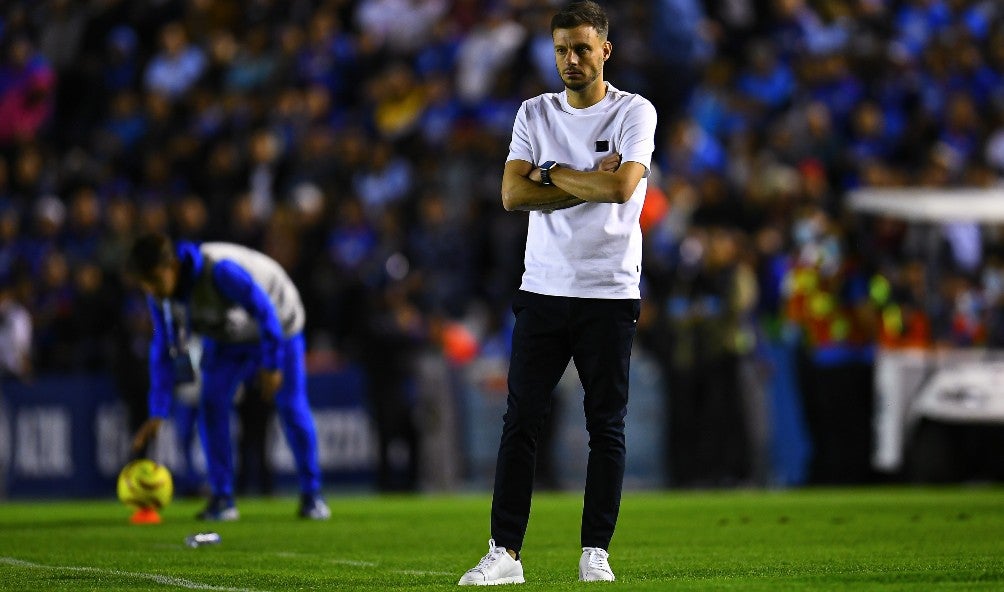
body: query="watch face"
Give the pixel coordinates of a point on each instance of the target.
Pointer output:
(548, 165)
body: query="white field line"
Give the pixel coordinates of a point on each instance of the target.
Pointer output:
(158, 578)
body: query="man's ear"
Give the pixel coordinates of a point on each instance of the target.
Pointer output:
(607, 50)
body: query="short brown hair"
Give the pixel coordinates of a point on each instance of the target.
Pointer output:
(585, 12)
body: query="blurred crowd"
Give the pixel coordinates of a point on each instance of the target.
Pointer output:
(360, 143)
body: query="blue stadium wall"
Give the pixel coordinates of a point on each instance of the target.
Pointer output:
(68, 437)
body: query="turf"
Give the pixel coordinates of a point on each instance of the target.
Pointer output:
(841, 539)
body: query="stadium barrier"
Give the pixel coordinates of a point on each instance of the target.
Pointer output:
(934, 412)
(68, 437)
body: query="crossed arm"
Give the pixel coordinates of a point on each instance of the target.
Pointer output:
(610, 183)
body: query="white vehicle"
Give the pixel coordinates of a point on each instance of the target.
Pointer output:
(938, 412)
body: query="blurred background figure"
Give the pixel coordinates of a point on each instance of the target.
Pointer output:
(254, 470)
(185, 415)
(15, 349)
(27, 86)
(16, 329)
(388, 344)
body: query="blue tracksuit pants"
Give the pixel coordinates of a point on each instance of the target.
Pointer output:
(224, 368)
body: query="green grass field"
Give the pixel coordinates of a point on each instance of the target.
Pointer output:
(853, 539)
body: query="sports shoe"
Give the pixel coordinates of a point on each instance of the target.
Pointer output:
(219, 509)
(313, 507)
(497, 567)
(593, 566)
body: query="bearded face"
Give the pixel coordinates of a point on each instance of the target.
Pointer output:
(579, 54)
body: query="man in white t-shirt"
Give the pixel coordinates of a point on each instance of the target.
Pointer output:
(578, 162)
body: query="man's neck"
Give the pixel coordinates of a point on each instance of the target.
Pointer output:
(587, 97)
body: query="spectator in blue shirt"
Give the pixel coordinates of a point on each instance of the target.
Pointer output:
(768, 83)
(178, 67)
(917, 21)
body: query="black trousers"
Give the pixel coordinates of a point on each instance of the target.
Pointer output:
(597, 335)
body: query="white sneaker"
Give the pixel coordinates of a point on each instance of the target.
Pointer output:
(593, 566)
(497, 567)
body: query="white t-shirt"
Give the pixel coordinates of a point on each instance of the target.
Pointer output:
(591, 250)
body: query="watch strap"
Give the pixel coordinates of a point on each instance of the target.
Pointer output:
(545, 172)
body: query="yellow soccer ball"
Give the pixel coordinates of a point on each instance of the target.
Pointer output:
(145, 484)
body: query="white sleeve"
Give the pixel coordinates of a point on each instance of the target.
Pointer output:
(638, 134)
(519, 147)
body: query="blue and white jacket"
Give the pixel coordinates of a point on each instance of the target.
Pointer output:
(233, 296)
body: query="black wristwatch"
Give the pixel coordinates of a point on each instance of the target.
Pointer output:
(545, 172)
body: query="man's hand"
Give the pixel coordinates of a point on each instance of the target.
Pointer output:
(145, 433)
(269, 382)
(534, 174)
(610, 163)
